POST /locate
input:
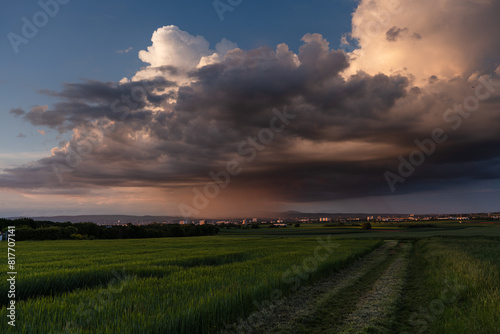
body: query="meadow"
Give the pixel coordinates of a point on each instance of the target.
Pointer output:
(168, 285)
(448, 279)
(452, 287)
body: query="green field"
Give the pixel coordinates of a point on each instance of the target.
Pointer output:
(378, 231)
(205, 284)
(453, 286)
(177, 285)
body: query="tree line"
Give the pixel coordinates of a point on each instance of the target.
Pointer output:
(29, 229)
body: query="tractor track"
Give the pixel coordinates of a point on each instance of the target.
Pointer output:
(360, 298)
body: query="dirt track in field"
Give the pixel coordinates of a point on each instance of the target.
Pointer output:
(358, 299)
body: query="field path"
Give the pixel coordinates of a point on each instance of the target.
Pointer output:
(359, 298)
(374, 310)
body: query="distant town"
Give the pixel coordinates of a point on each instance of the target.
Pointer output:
(277, 219)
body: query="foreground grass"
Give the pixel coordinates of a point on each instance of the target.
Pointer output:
(196, 285)
(191, 285)
(453, 287)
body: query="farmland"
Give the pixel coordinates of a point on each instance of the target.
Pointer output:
(461, 279)
(162, 285)
(306, 280)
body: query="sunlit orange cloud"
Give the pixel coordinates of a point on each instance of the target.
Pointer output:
(423, 38)
(307, 150)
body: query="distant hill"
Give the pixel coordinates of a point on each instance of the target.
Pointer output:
(110, 219)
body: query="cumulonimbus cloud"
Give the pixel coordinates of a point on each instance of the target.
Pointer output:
(356, 112)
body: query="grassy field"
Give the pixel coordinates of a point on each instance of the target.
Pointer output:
(453, 287)
(378, 231)
(441, 279)
(178, 285)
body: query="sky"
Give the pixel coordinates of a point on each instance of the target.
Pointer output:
(219, 108)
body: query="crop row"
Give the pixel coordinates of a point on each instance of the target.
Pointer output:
(35, 284)
(192, 296)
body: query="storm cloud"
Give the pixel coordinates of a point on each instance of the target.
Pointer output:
(181, 118)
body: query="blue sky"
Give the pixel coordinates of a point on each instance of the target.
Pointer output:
(82, 40)
(332, 160)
